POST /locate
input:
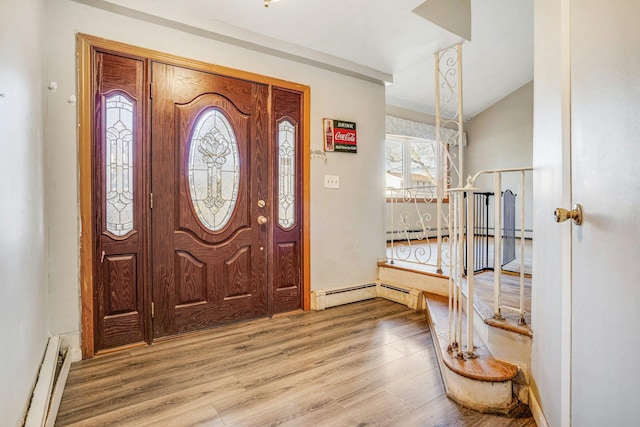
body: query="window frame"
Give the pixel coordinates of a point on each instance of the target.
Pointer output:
(406, 166)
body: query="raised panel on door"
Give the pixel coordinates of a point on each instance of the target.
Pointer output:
(121, 283)
(119, 200)
(209, 151)
(287, 290)
(605, 106)
(191, 274)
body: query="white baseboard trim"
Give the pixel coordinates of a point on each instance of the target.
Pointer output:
(536, 410)
(58, 390)
(47, 393)
(37, 412)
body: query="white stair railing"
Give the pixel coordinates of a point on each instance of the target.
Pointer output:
(460, 238)
(461, 286)
(416, 235)
(498, 306)
(449, 115)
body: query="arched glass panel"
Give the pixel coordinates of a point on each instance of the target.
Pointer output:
(119, 164)
(287, 174)
(214, 169)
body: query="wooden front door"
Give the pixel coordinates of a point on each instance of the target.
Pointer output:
(196, 196)
(209, 160)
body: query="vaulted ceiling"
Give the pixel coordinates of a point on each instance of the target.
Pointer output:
(380, 40)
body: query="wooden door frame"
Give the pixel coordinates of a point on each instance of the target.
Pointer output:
(85, 45)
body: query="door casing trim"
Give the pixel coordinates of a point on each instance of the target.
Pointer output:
(84, 46)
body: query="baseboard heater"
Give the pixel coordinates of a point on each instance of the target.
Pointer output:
(332, 297)
(326, 298)
(47, 393)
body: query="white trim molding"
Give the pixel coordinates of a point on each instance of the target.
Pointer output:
(536, 410)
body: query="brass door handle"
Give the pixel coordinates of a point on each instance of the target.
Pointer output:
(262, 220)
(575, 214)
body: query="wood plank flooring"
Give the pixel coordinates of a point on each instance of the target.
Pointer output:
(368, 363)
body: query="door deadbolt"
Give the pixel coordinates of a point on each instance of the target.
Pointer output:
(262, 220)
(262, 203)
(561, 215)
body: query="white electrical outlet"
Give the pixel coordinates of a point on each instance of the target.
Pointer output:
(331, 181)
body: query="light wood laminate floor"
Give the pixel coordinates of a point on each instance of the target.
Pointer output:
(368, 363)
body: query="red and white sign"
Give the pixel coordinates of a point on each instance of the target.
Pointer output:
(340, 136)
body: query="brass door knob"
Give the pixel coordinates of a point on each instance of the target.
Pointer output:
(262, 220)
(575, 214)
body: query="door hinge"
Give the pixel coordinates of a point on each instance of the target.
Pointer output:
(151, 200)
(151, 90)
(153, 309)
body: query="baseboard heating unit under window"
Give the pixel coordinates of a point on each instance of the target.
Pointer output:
(325, 298)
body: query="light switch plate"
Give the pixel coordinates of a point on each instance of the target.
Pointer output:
(331, 181)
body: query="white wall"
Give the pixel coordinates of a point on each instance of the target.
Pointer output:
(23, 245)
(346, 224)
(546, 303)
(502, 137)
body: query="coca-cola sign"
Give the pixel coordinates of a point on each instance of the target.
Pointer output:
(339, 135)
(347, 137)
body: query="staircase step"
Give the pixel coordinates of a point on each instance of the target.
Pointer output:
(422, 278)
(486, 311)
(508, 324)
(482, 383)
(428, 270)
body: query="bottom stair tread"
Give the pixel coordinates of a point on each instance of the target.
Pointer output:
(482, 368)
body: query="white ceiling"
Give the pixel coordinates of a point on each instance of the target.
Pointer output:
(375, 39)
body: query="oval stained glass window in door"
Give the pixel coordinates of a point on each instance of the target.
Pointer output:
(286, 174)
(214, 169)
(119, 164)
